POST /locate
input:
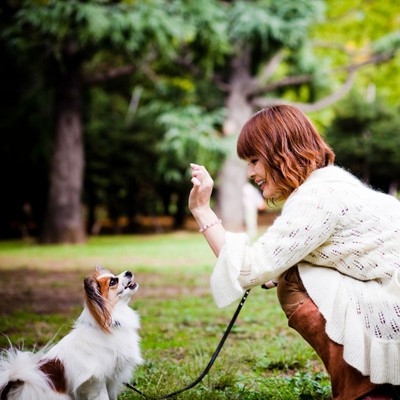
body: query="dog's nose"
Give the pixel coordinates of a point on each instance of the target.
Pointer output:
(128, 274)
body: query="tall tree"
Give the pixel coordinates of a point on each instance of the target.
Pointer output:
(277, 59)
(260, 33)
(73, 41)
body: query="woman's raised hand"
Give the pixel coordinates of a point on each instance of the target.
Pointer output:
(199, 205)
(202, 188)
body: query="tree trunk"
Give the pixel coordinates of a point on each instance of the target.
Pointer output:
(64, 219)
(232, 176)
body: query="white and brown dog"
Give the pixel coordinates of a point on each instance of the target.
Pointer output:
(93, 360)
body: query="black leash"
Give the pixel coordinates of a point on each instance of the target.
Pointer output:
(211, 362)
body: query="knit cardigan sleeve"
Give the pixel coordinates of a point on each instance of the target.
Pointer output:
(308, 219)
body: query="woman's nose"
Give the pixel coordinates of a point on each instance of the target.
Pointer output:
(250, 171)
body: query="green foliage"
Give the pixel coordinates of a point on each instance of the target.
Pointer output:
(269, 27)
(358, 23)
(274, 22)
(81, 26)
(112, 147)
(352, 32)
(366, 138)
(389, 42)
(191, 136)
(181, 53)
(206, 42)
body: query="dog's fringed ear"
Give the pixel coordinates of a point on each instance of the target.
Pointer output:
(96, 304)
(98, 268)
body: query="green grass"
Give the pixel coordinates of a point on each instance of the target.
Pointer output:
(181, 326)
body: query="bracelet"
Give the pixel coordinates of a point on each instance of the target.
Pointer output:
(205, 227)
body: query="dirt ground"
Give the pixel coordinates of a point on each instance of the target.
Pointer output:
(61, 292)
(40, 291)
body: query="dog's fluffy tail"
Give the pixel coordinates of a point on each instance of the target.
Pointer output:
(21, 377)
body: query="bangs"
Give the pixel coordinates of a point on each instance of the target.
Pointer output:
(243, 146)
(248, 141)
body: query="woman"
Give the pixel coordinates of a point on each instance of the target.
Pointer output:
(334, 250)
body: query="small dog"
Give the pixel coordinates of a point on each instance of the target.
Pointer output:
(93, 360)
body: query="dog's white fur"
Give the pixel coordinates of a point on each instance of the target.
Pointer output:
(93, 360)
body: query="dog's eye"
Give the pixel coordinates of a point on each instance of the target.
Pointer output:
(113, 281)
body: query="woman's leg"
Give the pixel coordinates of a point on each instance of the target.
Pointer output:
(304, 316)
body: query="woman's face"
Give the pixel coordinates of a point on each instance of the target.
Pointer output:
(256, 172)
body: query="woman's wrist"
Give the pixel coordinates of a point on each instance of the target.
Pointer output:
(203, 215)
(206, 218)
(210, 225)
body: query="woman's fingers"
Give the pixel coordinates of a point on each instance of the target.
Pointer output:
(202, 187)
(197, 174)
(195, 181)
(200, 173)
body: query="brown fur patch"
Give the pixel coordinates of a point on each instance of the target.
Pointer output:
(96, 303)
(104, 285)
(54, 369)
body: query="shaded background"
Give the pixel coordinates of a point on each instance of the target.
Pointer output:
(105, 103)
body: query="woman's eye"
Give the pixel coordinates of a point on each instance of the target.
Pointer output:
(113, 281)
(253, 161)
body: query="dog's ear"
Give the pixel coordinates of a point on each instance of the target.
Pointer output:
(98, 268)
(96, 303)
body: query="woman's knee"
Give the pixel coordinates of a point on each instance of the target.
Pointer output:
(291, 291)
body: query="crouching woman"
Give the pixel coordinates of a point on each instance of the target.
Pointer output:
(334, 252)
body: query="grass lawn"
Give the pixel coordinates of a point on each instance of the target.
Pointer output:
(41, 294)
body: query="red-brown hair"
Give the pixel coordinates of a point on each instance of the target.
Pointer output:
(284, 139)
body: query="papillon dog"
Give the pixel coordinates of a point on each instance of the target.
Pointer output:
(93, 360)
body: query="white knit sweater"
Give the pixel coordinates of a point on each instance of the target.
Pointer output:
(345, 237)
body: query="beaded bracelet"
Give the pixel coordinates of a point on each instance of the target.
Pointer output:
(205, 227)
